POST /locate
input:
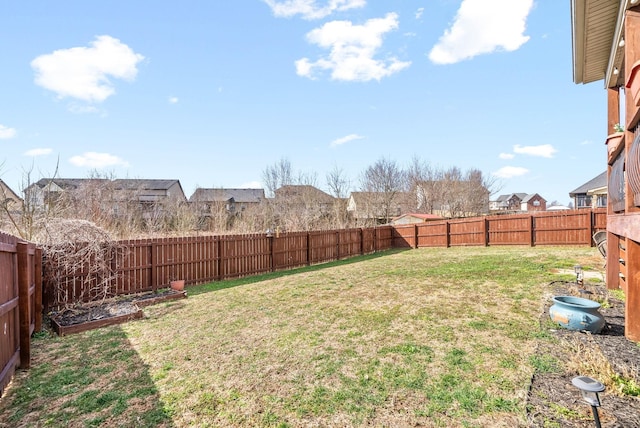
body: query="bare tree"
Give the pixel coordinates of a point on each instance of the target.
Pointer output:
(277, 175)
(384, 181)
(452, 193)
(339, 185)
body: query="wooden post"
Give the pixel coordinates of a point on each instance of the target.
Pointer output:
(308, 249)
(415, 236)
(23, 304)
(486, 231)
(271, 238)
(219, 258)
(532, 240)
(375, 239)
(448, 233)
(613, 109)
(337, 245)
(37, 279)
(632, 298)
(154, 268)
(613, 255)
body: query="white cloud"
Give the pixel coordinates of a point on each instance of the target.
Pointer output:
(6, 132)
(173, 100)
(544, 150)
(352, 50)
(506, 155)
(310, 9)
(97, 160)
(252, 185)
(483, 26)
(38, 152)
(79, 108)
(84, 72)
(419, 12)
(510, 172)
(346, 139)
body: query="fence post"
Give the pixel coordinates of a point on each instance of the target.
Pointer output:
(37, 279)
(531, 230)
(592, 226)
(375, 239)
(154, 267)
(485, 228)
(415, 236)
(308, 248)
(219, 258)
(271, 238)
(448, 232)
(337, 245)
(24, 304)
(361, 231)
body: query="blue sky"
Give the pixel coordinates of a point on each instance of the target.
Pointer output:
(212, 92)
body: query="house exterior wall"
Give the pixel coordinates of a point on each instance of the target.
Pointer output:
(537, 203)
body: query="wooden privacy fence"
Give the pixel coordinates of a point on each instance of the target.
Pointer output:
(149, 264)
(20, 303)
(575, 227)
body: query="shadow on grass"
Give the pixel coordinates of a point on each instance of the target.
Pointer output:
(89, 379)
(230, 283)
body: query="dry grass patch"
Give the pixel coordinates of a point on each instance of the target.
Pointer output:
(433, 337)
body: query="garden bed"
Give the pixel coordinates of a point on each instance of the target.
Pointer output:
(110, 312)
(553, 400)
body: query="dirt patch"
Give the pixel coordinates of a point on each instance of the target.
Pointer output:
(553, 401)
(111, 308)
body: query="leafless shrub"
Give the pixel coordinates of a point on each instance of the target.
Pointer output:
(79, 260)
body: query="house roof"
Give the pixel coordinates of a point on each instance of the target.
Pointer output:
(222, 195)
(597, 30)
(289, 191)
(67, 183)
(505, 198)
(368, 196)
(7, 192)
(147, 184)
(420, 216)
(595, 183)
(532, 196)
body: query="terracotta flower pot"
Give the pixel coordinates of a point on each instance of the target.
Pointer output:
(633, 83)
(613, 141)
(177, 285)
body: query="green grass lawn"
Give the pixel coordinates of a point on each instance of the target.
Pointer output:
(430, 337)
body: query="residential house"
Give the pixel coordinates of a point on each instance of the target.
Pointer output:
(8, 198)
(509, 202)
(592, 194)
(154, 197)
(107, 195)
(304, 194)
(533, 202)
(234, 201)
(149, 191)
(376, 207)
(518, 202)
(52, 191)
